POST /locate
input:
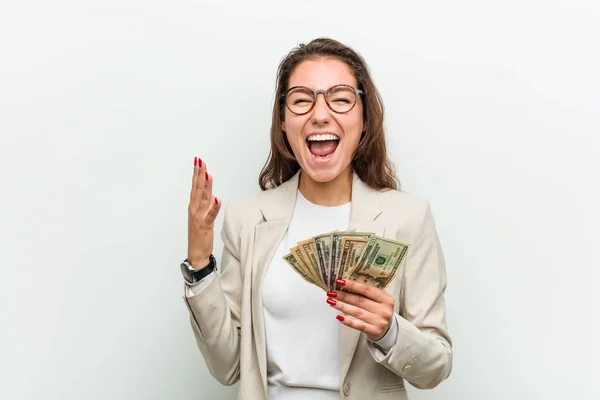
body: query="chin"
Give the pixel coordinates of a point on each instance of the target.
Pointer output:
(322, 176)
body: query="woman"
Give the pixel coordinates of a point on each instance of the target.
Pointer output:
(256, 320)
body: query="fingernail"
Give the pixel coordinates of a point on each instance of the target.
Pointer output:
(331, 302)
(195, 161)
(332, 294)
(340, 318)
(206, 175)
(199, 162)
(340, 282)
(216, 200)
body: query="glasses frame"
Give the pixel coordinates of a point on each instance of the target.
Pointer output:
(357, 93)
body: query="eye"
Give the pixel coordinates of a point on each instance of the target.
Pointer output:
(341, 95)
(301, 101)
(341, 99)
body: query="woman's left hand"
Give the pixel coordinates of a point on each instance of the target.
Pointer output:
(373, 308)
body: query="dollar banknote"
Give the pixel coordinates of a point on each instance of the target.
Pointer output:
(360, 256)
(304, 263)
(336, 252)
(309, 251)
(337, 248)
(379, 262)
(323, 249)
(295, 264)
(352, 250)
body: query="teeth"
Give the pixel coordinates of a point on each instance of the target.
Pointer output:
(327, 136)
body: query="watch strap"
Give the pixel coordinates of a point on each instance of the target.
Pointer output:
(198, 275)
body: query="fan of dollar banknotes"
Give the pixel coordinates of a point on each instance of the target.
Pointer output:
(359, 256)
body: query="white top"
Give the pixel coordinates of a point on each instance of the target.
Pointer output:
(302, 332)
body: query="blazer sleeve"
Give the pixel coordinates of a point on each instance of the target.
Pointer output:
(422, 354)
(215, 310)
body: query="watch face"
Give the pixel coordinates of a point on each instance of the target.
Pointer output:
(187, 275)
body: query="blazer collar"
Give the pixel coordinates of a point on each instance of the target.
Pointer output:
(365, 202)
(279, 202)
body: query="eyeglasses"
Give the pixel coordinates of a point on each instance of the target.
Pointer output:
(339, 98)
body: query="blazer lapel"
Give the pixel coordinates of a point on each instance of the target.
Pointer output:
(277, 209)
(365, 216)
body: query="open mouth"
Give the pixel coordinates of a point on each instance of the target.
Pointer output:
(322, 146)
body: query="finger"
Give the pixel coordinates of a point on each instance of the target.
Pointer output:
(371, 292)
(213, 211)
(358, 325)
(357, 300)
(195, 194)
(354, 311)
(201, 185)
(194, 177)
(207, 192)
(201, 178)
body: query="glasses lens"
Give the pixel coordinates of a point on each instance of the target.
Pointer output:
(300, 100)
(341, 98)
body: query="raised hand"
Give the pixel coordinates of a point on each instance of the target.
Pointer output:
(202, 212)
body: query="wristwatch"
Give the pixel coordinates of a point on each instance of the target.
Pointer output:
(192, 275)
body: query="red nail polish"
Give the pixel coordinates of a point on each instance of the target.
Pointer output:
(216, 200)
(331, 302)
(206, 175)
(332, 294)
(340, 318)
(195, 161)
(340, 282)
(200, 162)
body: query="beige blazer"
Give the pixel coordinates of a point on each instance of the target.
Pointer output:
(227, 314)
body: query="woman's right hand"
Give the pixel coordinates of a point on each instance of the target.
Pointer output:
(202, 212)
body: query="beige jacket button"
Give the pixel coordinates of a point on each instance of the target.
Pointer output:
(346, 388)
(406, 369)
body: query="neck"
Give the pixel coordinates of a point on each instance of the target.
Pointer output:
(328, 194)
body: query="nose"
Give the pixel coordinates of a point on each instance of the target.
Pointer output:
(321, 112)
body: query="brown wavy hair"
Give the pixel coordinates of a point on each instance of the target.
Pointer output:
(370, 161)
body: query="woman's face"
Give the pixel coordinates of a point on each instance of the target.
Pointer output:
(322, 140)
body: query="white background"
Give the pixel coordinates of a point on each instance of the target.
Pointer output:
(492, 113)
